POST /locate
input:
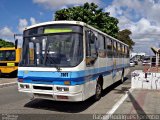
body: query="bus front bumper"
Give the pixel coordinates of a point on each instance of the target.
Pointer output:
(49, 92)
(7, 70)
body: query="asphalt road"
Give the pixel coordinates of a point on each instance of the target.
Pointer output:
(17, 105)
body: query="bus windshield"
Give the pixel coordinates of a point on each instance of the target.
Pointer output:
(63, 50)
(7, 55)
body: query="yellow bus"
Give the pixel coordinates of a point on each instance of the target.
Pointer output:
(9, 60)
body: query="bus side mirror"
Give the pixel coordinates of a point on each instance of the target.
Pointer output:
(16, 43)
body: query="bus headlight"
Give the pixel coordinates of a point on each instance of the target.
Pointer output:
(21, 86)
(62, 88)
(24, 86)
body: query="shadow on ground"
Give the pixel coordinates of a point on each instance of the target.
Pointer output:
(67, 107)
(137, 107)
(8, 76)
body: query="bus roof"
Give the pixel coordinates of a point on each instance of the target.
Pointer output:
(73, 23)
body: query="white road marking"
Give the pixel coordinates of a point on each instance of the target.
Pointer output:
(115, 107)
(7, 84)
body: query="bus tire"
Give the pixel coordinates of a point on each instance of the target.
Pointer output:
(14, 74)
(122, 76)
(98, 93)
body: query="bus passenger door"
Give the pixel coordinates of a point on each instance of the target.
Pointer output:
(91, 57)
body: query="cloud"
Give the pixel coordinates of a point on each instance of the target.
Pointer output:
(23, 23)
(141, 17)
(33, 21)
(6, 32)
(54, 4)
(144, 29)
(40, 13)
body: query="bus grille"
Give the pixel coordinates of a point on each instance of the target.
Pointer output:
(42, 88)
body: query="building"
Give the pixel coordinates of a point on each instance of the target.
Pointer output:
(137, 56)
(156, 51)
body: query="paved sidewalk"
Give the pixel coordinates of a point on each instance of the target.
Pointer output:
(141, 102)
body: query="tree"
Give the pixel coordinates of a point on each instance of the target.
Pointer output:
(4, 43)
(124, 36)
(92, 15)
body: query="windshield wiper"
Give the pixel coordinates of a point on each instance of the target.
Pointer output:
(52, 60)
(46, 58)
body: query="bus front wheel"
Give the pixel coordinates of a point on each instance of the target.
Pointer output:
(98, 93)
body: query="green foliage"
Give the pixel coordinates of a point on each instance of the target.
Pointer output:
(92, 15)
(4, 43)
(124, 36)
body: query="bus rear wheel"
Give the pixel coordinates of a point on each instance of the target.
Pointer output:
(98, 93)
(14, 74)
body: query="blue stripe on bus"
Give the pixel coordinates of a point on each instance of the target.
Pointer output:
(60, 81)
(76, 77)
(74, 74)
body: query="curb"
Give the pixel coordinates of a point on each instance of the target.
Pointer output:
(8, 84)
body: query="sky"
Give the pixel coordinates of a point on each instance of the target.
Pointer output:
(141, 17)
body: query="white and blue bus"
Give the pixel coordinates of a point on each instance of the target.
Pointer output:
(70, 61)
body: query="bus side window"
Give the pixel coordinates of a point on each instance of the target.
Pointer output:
(115, 48)
(124, 51)
(109, 47)
(102, 46)
(127, 52)
(91, 50)
(121, 53)
(101, 41)
(31, 53)
(119, 49)
(1, 55)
